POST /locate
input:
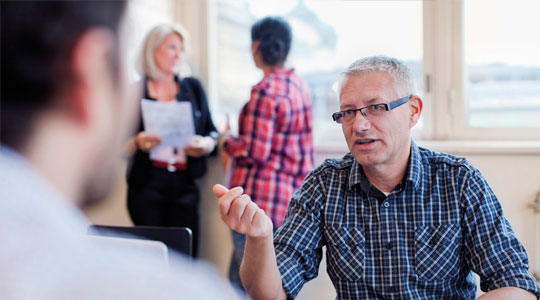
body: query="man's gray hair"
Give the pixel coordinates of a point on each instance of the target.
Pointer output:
(393, 66)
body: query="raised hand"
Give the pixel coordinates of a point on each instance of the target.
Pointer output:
(241, 214)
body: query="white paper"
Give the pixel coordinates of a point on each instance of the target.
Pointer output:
(171, 121)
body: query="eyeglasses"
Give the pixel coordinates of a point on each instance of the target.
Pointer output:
(369, 112)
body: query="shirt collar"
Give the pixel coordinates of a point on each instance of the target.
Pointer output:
(278, 70)
(357, 176)
(414, 169)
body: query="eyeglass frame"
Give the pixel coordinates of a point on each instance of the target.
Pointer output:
(387, 106)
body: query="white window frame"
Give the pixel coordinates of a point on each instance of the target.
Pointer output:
(444, 68)
(443, 74)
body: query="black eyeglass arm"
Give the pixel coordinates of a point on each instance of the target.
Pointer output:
(398, 102)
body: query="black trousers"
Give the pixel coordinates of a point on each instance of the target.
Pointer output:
(167, 199)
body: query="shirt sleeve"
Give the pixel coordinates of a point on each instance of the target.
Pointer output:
(208, 128)
(254, 143)
(492, 250)
(298, 242)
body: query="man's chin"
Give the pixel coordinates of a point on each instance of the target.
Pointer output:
(367, 158)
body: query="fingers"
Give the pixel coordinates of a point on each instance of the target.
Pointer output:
(194, 151)
(200, 146)
(249, 212)
(238, 206)
(226, 200)
(236, 209)
(154, 139)
(150, 137)
(259, 221)
(240, 213)
(195, 141)
(219, 190)
(144, 136)
(146, 141)
(197, 147)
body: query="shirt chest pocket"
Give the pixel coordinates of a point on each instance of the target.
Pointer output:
(345, 253)
(438, 251)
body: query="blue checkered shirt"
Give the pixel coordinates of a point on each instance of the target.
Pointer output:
(420, 242)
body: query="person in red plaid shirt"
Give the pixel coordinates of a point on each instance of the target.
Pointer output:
(274, 149)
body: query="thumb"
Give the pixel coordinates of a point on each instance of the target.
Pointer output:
(219, 190)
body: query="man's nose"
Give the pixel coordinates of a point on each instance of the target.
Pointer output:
(360, 122)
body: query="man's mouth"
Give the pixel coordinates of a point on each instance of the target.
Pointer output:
(363, 142)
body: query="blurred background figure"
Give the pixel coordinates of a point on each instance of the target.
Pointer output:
(64, 113)
(162, 192)
(273, 151)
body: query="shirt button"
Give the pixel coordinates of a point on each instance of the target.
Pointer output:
(389, 246)
(391, 289)
(386, 204)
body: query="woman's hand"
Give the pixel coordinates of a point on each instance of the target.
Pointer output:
(200, 146)
(147, 141)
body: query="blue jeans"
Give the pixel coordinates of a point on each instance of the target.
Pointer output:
(239, 241)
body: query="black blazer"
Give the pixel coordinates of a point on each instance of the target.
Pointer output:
(190, 90)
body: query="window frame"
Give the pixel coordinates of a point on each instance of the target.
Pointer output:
(444, 58)
(444, 74)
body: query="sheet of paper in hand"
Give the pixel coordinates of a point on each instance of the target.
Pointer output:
(171, 121)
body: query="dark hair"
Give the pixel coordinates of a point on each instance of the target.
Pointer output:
(37, 39)
(274, 36)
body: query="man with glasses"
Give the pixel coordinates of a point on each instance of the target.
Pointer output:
(398, 221)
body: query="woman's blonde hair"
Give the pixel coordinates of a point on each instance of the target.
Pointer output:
(155, 37)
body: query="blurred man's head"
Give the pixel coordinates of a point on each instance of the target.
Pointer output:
(63, 102)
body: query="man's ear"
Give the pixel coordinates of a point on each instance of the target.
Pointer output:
(89, 66)
(415, 107)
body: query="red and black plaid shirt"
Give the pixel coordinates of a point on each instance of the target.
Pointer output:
(274, 150)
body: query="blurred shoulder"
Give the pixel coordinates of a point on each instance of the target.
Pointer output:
(192, 82)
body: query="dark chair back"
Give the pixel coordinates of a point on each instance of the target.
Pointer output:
(175, 238)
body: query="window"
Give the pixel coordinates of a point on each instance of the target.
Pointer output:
(141, 17)
(327, 37)
(482, 65)
(502, 57)
(476, 62)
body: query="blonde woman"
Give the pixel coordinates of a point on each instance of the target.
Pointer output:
(162, 192)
